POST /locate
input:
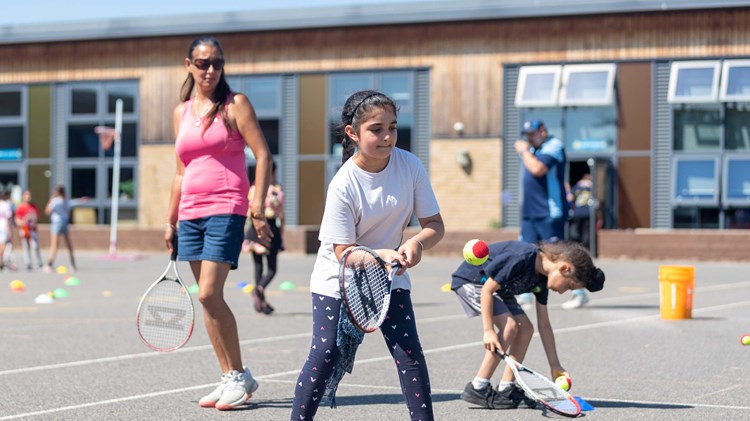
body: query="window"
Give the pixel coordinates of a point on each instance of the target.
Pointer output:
(264, 93)
(697, 129)
(588, 84)
(12, 123)
(89, 166)
(694, 82)
(735, 80)
(399, 86)
(736, 186)
(711, 140)
(696, 181)
(538, 86)
(10, 103)
(575, 101)
(590, 129)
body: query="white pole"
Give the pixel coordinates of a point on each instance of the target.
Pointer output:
(115, 181)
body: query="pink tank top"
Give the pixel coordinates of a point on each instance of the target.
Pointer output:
(215, 179)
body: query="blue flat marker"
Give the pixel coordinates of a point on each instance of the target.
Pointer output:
(585, 406)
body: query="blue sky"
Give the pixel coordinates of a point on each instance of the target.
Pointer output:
(47, 11)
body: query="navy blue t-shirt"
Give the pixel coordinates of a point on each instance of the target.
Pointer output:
(544, 197)
(512, 264)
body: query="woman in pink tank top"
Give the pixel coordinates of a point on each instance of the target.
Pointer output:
(212, 126)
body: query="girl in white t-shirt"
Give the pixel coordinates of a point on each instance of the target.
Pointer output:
(370, 202)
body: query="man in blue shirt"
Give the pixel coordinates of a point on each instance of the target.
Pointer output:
(544, 210)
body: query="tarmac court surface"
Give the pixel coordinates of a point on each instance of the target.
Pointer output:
(80, 358)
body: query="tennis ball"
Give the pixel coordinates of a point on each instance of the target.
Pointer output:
(476, 252)
(563, 382)
(745, 339)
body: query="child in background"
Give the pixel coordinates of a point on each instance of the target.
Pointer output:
(6, 227)
(274, 213)
(513, 268)
(58, 210)
(370, 202)
(27, 218)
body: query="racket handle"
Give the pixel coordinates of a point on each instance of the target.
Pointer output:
(173, 256)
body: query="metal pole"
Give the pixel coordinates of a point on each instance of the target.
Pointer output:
(115, 180)
(593, 203)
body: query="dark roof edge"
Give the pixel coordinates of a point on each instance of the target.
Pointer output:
(346, 16)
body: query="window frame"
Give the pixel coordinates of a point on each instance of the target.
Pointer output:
(726, 66)
(609, 94)
(692, 202)
(726, 201)
(674, 73)
(333, 113)
(523, 74)
(18, 120)
(102, 163)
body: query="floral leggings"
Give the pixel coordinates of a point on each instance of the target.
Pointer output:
(400, 333)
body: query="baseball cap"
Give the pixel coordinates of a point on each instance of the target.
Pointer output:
(531, 126)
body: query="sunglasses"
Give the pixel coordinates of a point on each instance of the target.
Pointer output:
(204, 64)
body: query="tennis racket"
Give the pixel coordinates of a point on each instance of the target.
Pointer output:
(365, 283)
(165, 314)
(542, 390)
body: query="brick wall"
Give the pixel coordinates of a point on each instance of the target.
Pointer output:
(727, 245)
(469, 200)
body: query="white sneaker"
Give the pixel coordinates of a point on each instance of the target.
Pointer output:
(209, 401)
(238, 390)
(576, 301)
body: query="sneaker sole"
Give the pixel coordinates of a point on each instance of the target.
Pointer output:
(228, 406)
(481, 404)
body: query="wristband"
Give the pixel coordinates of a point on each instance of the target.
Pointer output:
(174, 228)
(257, 215)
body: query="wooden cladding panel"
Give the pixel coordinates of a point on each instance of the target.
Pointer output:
(311, 180)
(634, 190)
(634, 100)
(464, 58)
(312, 114)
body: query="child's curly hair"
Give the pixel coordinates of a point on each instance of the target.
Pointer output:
(584, 270)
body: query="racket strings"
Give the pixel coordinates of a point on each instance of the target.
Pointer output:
(548, 392)
(366, 289)
(165, 317)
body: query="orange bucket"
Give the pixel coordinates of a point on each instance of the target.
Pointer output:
(676, 285)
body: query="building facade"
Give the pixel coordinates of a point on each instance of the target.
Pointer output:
(654, 102)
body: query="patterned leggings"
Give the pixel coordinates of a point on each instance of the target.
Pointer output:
(400, 333)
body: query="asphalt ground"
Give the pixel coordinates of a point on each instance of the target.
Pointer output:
(80, 358)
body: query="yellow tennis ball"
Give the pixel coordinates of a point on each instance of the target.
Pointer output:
(745, 339)
(563, 382)
(476, 252)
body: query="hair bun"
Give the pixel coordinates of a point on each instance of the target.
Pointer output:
(597, 282)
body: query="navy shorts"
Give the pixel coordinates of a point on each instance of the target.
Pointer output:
(217, 238)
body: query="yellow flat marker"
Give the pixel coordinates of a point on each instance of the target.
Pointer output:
(633, 289)
(446, 288)
(18, 309)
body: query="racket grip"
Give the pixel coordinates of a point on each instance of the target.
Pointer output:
(173, 256)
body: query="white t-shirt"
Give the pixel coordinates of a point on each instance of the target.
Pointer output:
(372, 210)
(6, 215)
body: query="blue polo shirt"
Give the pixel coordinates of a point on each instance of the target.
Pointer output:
(544, 196)
(512, 264)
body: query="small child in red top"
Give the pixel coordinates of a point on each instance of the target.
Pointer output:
(27, 218)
